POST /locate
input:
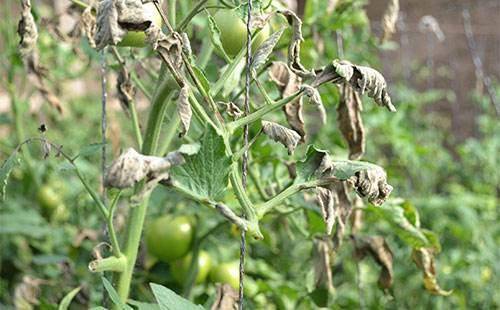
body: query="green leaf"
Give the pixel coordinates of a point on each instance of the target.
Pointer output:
(215, 36)
(395, 216)
(265, 49)
(344, 169)
(65, 302)
(169, 300)
(200, 75)
(234, 78)
(23, 222)
(143, 305)
(5, 171)
(306, 169)
(205, 174)
(113, 295)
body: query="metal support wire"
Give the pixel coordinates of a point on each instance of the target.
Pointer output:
(244, 167)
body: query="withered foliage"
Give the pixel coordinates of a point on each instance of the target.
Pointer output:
(226, 298)
(288, 137)
(350, 122)
(125, 88)
(389, 19)
(184, 110)
(323, 252)
(424, 259)
(379, 250)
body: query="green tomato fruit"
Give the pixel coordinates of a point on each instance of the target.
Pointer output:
(169, 238)
(180, 268)
(138, 38)
(233, 32)
(47, 198)
(228, 273)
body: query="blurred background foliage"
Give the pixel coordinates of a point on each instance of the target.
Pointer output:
(452, 182)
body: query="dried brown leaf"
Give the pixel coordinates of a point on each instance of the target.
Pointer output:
(424, 259)
(125, 87)
(27, 30)
(323, 252)
(131, 167)
(169, 46)
(350, 122)
(429, 24)
(326, 200)
(288, 137)
(294, 47)
(379, 250)
(265, 49)
(115, 17)
(87, 24)
(233, 110)
(343, 208)
(389, 19)
(315, 99)
(372, 183)
(289, 83)
(184, 110)
(226, 298)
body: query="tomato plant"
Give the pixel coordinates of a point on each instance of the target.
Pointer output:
(228, 273)
(138, 38)
(169, 238)
(180, 268)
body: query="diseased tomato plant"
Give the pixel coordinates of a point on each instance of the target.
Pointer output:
(240, 137)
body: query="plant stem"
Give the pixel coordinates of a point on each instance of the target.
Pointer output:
(265, 207)
(111, 228)
(214, 91)
(135, 124)
(257, 115)
(172, 11)
(191, 14)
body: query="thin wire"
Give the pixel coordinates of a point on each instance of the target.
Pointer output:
(245, 154)
(476, 60)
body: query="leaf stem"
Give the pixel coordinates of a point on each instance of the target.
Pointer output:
(195, 10)
(257, 115)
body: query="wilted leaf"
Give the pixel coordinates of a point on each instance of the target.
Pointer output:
(326, 200)
(115, 17)
(168, 46)
(322, 263)
(27, 30)
(289, 83)
(350, 122)
(27, 292)
(362, 79)
(315, 99)
(265, 49)
(389, 19)
(424, 259)
(132, 167)
(184, 110)
(206, 173)
(87, 23)
(6, 169)
(281, 134)
(226, 298)
(233, 110)
(343, 209)
(126, 89)
(294, 47)
(379, 250)
(315, 165)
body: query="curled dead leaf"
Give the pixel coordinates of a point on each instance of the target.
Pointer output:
(233, 110)
(323, 252)
(326, 201)
(169, 46)
(132, 167)
(372, 183)
(379, 250)
(288, 137)
(125, 87)
(424, 259)
(184, 110)
(315, 99)
(226, 298)
(350, 122)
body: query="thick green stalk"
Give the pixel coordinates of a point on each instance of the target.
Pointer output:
(137, 215)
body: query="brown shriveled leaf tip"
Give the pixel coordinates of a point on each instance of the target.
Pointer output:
(315, 99)
(125, 87)
(424, 259)
(323, 259)
(429, 24)
(184, 110)
(389, 19)
(362, 79)
(288, 137)
(343, 210)
(115, 17)
(289, 83)
(350, 122)
(226, 298)
(327, 200)
(233, 110)
(379, 250)
(372, 183)
(294, 46)
(87, 24)
(169, 46)
(131, 167)
(26, 293)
